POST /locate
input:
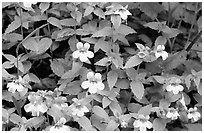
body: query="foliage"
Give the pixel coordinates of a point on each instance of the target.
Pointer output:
(101, 66)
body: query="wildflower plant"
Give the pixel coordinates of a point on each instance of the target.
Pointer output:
(101, 66)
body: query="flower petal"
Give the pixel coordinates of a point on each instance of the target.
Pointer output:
(90, 54)
(180, 87)
(123, 15)
(79, 45)
(160, 47)
(86, 46)
(85, 84)
(142, 128)
(169, 87)
(148, 124)
(175, 91)
(83, 57)
(90, 75)
(136, 123)
(100, 85)
(76, 54)
(164, 55)
(169, 115)
(92, 88)
(98, 76)
(20, 87)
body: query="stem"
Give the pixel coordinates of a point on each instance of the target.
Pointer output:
(193, 42)
(179, 25)
(168, 14)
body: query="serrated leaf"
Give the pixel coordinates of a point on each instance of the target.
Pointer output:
(131, 73)
(10, 57)
(160, 41)
(76, 66)
(85, 123)
(72, 43)
(17, 106)
(132, 62)
(159, 124)
(112, 125)
(16, 119)
(112, 77)
(125, 30)
(116, 21)
(173, 32)
(35, 121)
(123, 83)
(99, 12)
(146, 110)
(27, 66)
(105, 102)
(100, 112)
(68, 22)
(88, 11)
(103, 45)
(156, 25)
(14, 25)
(160, 79)
(33, 78)
(137, 88)
(54, 21)
(115, 108)
(89, 40)
(44, 6)
(73, 88)
(57, 67)
(103, 62)
(106, 31)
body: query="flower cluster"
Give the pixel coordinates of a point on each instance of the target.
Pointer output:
(193, 114)
(94, 82)
(82, 52)
(159, 52)
(77, 109)
(172, 113)
(142, 122)
(174, 86)
(16, 85)
(59, 126)
(144, 52)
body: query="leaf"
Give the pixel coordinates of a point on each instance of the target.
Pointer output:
(10, 57)
(137, 88)
(134, 107)
(188, 80)
(112, 125)
(146, 110)
(68, 22)
(132, 62)
(106, 31)
(105, 102)
(125, 30)
(73, 88)
(17, 106)
(57, 67)
(160, 79)
(100, 112)
(103, 45)
(194, 127)
(85, 123)
(16, 119)
(44, 6)
(123, 83)
(14, 25)
(99, 12)
(76, 66)
(171, 33)
(115, 108)
(112, 77)
(116, 20)
(72, 43)
(54, 21)
(33, 78)
(131, 73)
(160, 41)
(88, 11)
(159, 124)
(35, 121)
(103, 62)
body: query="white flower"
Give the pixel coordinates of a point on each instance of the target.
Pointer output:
(28, 4)
(174, 85)
(182, 101)
(16, 86)
(82, 52)
(172, 113)
(123, 12)
(143, 51)
(59, 126)
(94, 82)
(160, 52)
(192, 113)
(123, 124)
(142, 122)
(36, 105)
(77, 108)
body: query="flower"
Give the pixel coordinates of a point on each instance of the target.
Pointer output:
(192, 113)
(142, 122)
(16, 85)
(160, 52)
(28, 4)
(123, 12)
(172, 113)
(174, 85)
(77, 108)
(182, 101)
(94, 82)
(59, 126)
(36, 105)
(82, 52)
(143, 51)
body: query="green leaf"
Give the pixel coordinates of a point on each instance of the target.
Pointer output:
(194, 127)
(54, 21)
(112, 125)
(106, 31)
(57, 67)
(134, 107)
(123, 83)
(137, 88)
(16, 119)
(131, 73)
(10, 57)
(171, 33)
(68, 22)
(188, 80)
(159, 124)
(146, 110)
(99, 12)
(76, 66)
(112, 77)
(35, 121)
(14, 25)
(17, 106)
(85, 123)
(72, 43)
(160, 41)
(88, 11)
(73, 88)
(115, 108)
(105, 102)
(100, 112)
(103, 62)
(55, 112)
(30, 77)
(103, 45)
(116, 20)
(125, 30)
(132, 62)
(44, 6)
(160, 79)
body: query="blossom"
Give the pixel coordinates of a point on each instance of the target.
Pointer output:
(94, 82)
(16, 85)
(192, 113)
(172, 113)
(143, 51)
(59, 126)
(123, 12)
(174, 85)
(142, 122)
(77, 109)
(160, 52)
(28, 4)
(82, 52)
(36, 105)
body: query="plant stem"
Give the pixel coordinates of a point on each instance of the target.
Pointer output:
(193, 42)
(172, 44)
